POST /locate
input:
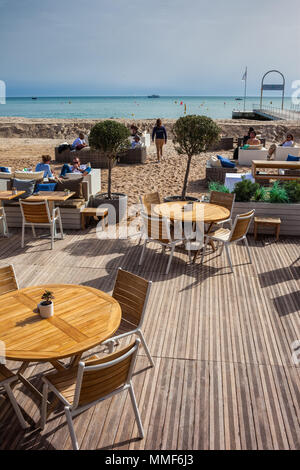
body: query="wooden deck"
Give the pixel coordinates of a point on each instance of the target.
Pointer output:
(222, 345)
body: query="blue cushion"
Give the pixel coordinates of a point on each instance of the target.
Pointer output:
(225, 162)
(24, 185)
(4, 169)
(292, 158)
(88, 169)
(45, 187)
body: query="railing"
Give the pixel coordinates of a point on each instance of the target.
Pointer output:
(291, 114)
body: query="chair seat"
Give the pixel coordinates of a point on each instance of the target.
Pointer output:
(221, 234)
(65, 381)
(125, 327)
(5, 373)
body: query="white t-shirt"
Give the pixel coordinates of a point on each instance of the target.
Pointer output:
(78, 141)
(75, 170)
(289, 143)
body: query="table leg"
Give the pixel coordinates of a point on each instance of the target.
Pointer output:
(255, 231)
(82, 221)
(277, 232)
(210, 242)
(4, 221)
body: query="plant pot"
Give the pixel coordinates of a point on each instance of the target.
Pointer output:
(46, 310)
(117, 206)
(179, 198)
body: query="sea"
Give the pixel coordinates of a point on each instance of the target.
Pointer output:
(130, 107)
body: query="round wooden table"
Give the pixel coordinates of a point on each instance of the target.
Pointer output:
(83, 318)
(202, 212)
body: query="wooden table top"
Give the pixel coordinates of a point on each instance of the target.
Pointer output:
(83, 318)
(205, 212)
(50, 196)
(276, 164)
(8, 195)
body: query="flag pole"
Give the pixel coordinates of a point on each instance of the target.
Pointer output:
(245, 91)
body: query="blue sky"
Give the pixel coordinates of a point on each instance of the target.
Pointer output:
(137, 47)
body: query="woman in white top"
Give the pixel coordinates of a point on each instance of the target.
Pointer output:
(289, 142)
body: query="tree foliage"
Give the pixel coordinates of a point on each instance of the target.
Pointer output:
(192, 136)
(110, 137)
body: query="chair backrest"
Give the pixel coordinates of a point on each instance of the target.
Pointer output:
(132, 293)
(156, 228)
(8, 280)
(241, 225)
(29, 175)
(222, 199)
(35, 212)
(150, 199)
(101, 377)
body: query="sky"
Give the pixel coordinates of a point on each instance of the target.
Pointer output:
(139, 47)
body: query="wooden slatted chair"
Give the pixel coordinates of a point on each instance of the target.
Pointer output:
(8, 280)
(37, 213)
(91, 382)
(6, 378)
(149, 200)
(158, 230)
(132, 293)
(226, 237)
(4, 221)
(225, 200)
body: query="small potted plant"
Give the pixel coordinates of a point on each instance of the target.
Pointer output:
(46, 306)
(67, 191)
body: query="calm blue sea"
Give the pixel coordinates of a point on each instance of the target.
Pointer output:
(85, 107)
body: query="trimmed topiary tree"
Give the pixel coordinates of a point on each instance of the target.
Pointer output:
(110, 137)
(192, 136)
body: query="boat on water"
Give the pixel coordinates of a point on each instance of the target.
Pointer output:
(153, 96)
(238, 99)
(34, 98)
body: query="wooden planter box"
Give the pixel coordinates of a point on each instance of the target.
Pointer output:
(288, 213)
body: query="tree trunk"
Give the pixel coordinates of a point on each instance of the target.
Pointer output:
(186, 177)
(109, 178)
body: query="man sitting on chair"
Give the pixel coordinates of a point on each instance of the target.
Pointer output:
(75, 168)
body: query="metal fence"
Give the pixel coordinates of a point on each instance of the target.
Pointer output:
(290, 114)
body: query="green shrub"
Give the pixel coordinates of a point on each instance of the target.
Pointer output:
(216, 186)
(192, 135)
(260, 195)
(293, 190)
(278, 194)
(244, 190)
(110, 137)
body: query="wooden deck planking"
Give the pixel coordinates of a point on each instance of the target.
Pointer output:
(224, 377)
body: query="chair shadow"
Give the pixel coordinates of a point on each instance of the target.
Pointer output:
(279, 275)
(287, 304)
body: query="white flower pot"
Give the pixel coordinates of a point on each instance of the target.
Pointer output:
(46, 311)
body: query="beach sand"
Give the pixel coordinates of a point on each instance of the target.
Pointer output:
(166, 177)
(21, 146)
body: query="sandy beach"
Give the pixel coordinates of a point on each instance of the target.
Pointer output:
(20, 151)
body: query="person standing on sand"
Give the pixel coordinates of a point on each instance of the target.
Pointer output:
(160, 134)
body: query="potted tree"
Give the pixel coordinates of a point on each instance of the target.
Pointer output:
(110, 138)
(46, 306)
(193, 135)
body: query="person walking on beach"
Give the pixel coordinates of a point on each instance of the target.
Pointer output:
(160, 134)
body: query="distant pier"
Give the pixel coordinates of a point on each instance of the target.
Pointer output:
(267, 113)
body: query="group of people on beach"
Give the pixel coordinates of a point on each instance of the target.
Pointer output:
(159, 135)
(252, 139)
